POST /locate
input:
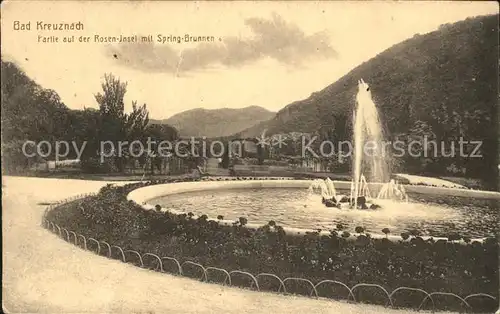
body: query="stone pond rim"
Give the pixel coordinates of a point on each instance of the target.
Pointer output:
(142, 195)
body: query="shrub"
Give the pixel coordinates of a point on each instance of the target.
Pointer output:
(359, 229)
(454, 237)
(362, 240)
(386, 231)
(415, 233)
(243, 221)
(405, 235)
(94, 165)
(346, 234)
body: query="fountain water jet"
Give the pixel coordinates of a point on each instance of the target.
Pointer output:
(393, 190)
(367, 131)
(326, 187)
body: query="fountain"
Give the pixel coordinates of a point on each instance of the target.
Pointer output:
(326, 188)
(367, 130)
(393, 190)
(370, 199)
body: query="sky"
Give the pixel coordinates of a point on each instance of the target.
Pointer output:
(266, 54)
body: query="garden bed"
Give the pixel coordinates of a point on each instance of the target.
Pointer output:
(433, 266)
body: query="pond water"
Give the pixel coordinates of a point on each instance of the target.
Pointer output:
(294, 207)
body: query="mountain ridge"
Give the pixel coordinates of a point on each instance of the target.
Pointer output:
(321, 107)
(216, 122)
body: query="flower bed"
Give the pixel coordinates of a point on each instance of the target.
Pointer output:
(434, 266)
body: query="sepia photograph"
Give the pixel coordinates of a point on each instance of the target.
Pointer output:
(250, 157)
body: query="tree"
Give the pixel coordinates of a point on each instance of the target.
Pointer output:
(111, 100)
(112, 116)
(29, 112)
(85, 129)
(225, 156)
(136, 122)
(261, 153)
(156, 134)
(422, 155)
(13, 158)
(161, 132)
(115, 125)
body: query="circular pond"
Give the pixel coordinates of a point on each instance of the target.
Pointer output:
(437, 216)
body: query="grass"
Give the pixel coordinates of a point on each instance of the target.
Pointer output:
(471, 183)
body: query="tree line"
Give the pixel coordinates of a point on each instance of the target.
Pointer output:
(33, 113)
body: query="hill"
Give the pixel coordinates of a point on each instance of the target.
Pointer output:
(216, 122)
(444, 82)
(28, 110)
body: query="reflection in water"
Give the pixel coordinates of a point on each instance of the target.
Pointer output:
(431, 215)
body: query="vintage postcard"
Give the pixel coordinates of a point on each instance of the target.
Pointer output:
(250, 157)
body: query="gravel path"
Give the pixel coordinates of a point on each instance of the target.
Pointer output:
(42, 273)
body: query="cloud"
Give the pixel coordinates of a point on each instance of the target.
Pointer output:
(272, 38)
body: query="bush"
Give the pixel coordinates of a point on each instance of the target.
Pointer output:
(386, 231)
(94, 165)
(359, 229)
